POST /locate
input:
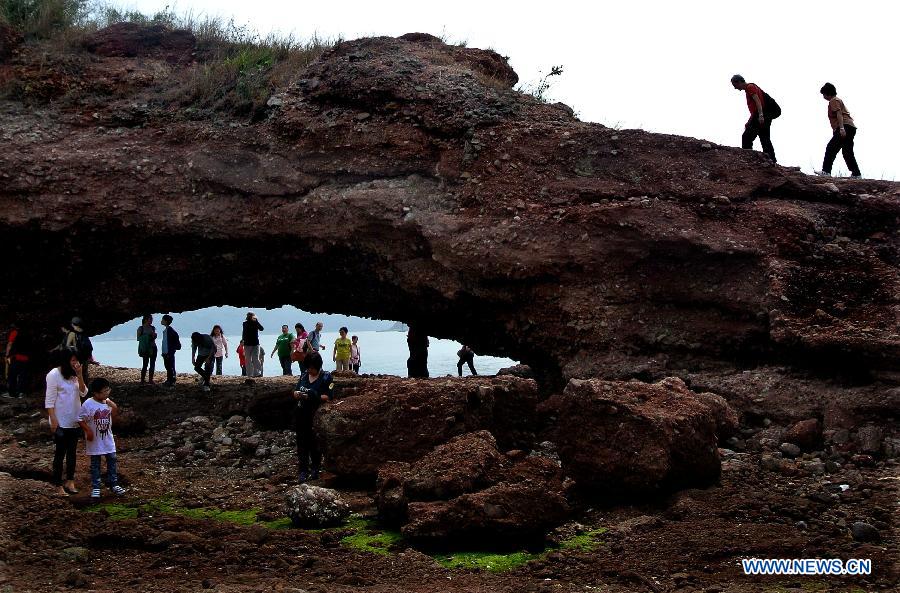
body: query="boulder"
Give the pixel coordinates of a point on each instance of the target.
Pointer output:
(634, 438)
(128, 422)
(402, 420)
(313, 506)
(806, 434)
(727, 421)
(529, 501)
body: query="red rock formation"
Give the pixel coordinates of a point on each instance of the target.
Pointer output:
(401, 420)
(633, 438)
(413, 184)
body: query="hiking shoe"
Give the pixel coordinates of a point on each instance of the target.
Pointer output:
(95, 493)
(118, 490)
(303, 477)
(206, 388)
(856, 176)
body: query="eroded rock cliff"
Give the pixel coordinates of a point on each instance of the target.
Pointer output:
(404, 179)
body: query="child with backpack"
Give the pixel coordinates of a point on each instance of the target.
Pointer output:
(95, 419)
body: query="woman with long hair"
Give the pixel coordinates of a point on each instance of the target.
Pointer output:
(221, 346)
(65, 390)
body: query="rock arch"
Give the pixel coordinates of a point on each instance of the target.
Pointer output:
(404, 179)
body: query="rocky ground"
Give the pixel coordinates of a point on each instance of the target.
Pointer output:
(205, 510)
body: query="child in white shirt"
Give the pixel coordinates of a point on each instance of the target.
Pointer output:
(95, 418)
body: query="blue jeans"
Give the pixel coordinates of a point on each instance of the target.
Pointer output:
(112, 473)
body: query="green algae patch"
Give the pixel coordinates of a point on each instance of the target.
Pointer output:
(486, 560)
(376, 543)
(584, 542)
(116, 512)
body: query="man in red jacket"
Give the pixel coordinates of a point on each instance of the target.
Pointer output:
(758, 124)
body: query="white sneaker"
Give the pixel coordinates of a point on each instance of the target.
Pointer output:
(822, 173)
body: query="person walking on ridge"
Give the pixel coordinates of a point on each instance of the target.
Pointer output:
(171, 343)
(843, 132)
(763, 109)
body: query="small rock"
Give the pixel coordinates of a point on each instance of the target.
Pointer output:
(75, 554)
(312, 506)
(362, 116)
(790, 449)
(863, 532)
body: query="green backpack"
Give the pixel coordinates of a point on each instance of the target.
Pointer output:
(145, 344)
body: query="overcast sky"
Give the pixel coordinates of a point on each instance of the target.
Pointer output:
(662, 66)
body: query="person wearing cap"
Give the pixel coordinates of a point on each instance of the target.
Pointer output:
(758, 124)
(79, 343)
(843, 132)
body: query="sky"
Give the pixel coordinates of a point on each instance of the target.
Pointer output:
(661, 66)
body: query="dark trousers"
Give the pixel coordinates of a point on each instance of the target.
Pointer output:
(301, 366)
(285, 364)
(65, 439)
(355, 368)
(468, 361)
(148, 361)
(764, 130)
(845, 146)
(243, 371)
(169, 362)
(219, 365)
(18, 377)
(203, 367)
(307, 446)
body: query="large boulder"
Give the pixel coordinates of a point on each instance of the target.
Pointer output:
(528, 501)
(621, 438)
(402, 420)
(131, 40)
(466, 463)
(312, 506)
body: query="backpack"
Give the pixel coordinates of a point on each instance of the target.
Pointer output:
(83, 349)
(145, 344)
(174, 340)
(771, 108)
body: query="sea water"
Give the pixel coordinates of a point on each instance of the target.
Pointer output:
(382, 353)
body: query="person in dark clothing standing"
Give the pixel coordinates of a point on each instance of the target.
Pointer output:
(417, 363)
(18, 360)
(843, 132)
(203, 351)
(250, 336)
(466, 356)
(171, 343)
(758, 124)
(314, 388)
(146, 338)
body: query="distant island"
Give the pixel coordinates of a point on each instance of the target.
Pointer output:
(398, 326)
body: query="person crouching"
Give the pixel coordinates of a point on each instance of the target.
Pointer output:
(314, 388)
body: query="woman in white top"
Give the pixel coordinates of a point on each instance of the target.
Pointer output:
(221, 346)
(65, 390)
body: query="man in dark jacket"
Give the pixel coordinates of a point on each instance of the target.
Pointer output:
(250, 336)
(203, 350)
(314, 388)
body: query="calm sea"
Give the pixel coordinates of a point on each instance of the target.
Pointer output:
(382, 353)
